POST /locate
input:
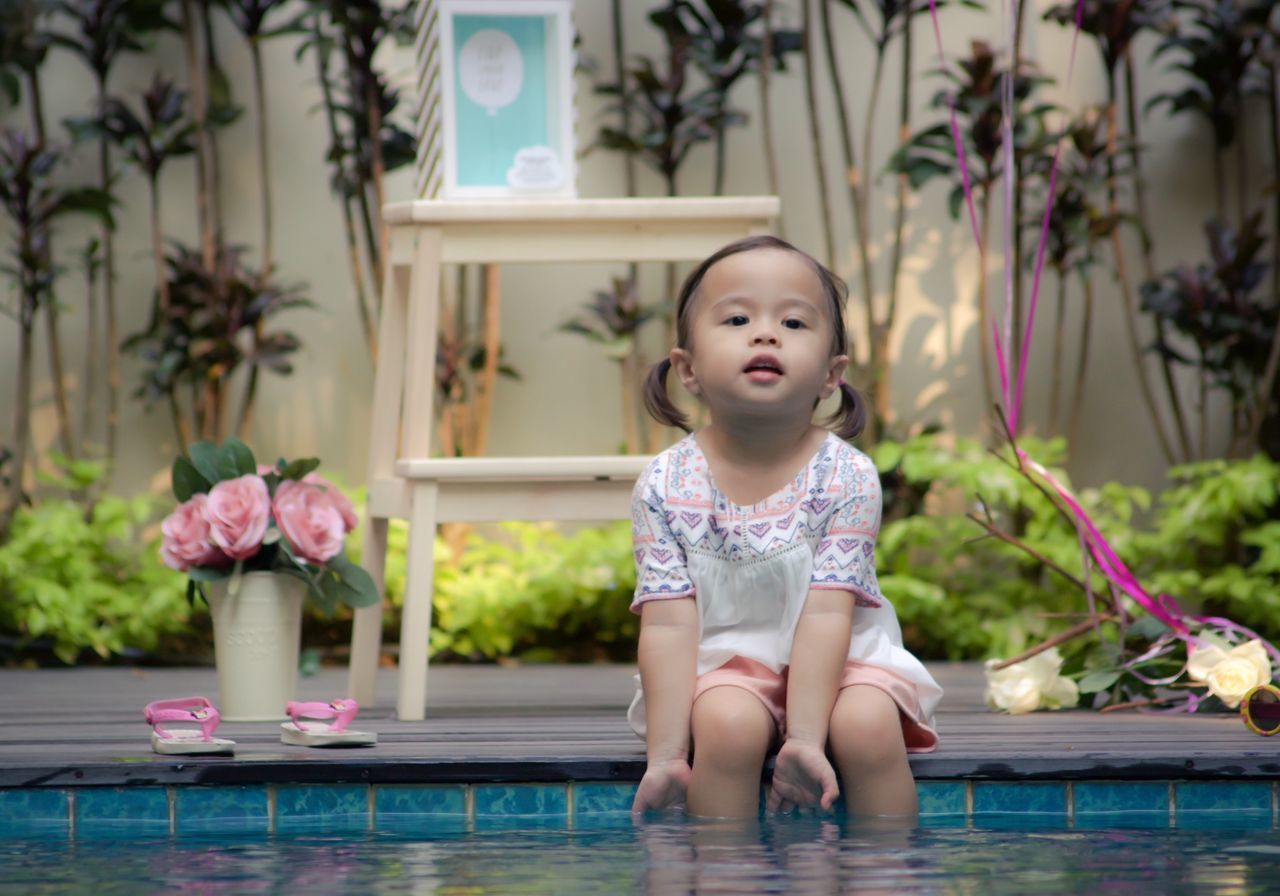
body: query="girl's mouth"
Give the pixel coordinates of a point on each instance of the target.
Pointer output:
(763, 369)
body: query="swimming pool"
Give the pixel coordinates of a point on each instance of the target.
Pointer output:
(1222, 853)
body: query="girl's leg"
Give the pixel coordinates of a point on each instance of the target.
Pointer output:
(871, 756)
(732, 732)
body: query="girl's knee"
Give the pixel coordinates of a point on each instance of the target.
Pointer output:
(866, 730)
(731, 728)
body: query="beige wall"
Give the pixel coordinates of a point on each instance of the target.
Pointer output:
(568, 399)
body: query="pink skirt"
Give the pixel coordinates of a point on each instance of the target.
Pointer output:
(771, 689)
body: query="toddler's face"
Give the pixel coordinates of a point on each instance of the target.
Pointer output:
(760, 337)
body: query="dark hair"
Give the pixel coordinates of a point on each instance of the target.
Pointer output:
(847, 422)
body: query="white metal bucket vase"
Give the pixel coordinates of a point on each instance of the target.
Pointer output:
(256, 633)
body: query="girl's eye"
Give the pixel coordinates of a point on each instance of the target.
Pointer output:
(737, 320)
(793, 324)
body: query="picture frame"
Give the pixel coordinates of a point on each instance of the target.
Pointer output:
(496, 114)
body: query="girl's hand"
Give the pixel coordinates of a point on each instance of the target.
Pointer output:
(663, 786)
(802, 777)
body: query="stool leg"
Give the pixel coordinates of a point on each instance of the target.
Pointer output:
(366, 627)
(415, 626)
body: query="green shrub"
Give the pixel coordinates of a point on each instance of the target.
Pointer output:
(530, 592)
(90, 582)
(1212, 542)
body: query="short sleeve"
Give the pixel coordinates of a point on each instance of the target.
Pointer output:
(844, 559)
(661, 570)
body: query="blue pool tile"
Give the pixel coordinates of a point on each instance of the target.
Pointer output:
(34, 804)
(116, 811)
(419, 799)
(420, 809)
(34, 812)
(1110, 797)
(325, 807)
(593, 798)
(1019, 797)
(1239, 804)
(940, 797)
(520, 799)
(235, 808)
(1212, 796)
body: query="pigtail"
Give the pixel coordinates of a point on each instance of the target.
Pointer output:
(852, 416)
(658, 402)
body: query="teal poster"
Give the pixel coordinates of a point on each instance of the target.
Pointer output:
(501, 94)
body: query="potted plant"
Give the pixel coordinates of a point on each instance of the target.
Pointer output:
(255, 541)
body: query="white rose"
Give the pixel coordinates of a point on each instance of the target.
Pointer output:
(1203, 664)
(1200, 662)
(1029, 685)
(1232, 678)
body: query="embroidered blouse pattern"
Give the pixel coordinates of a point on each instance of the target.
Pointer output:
(832, 508)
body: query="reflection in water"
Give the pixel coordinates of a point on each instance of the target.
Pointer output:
(1230, 854)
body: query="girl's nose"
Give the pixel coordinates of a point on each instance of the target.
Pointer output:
(765, 334)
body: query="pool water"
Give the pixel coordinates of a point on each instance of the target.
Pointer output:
(1223, 854)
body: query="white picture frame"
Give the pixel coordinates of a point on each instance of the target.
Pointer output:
(496, 114)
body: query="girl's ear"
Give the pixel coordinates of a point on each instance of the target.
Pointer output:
(682, 364)
(835, 374)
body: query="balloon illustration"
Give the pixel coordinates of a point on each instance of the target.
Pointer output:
(491, 69)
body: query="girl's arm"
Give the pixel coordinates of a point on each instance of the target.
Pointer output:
(668, 654)
(802, 773)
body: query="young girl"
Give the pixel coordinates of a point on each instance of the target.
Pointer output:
(762, 623)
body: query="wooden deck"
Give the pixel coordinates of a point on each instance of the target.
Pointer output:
(552, 723)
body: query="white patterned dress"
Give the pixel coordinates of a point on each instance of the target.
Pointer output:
(750, 568)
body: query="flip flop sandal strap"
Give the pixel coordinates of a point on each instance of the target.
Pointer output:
(190, 709)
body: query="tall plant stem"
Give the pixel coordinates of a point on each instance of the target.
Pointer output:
(264, 182)
(854, 181)
(1204, 411)
(377, 170)
(900, 197)
(815, 133)
(58, 382)
(110, 315)
(766, 108)
(1220, 184)
(1014, 348)
(620, 78)
(264, 154)
(199, 109)
(62, 411)
(488, 381)
(214, 156)
(1059, 338)
(91, 332)
(1242, 165)
(1122, 277)
(348, 224)
(1262, 399)
(1144, 234)
(1082, 360)
(21, 413)
(984, 316)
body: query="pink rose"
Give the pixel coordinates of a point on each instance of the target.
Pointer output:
(309, 520)
(337, 498)
(186, 537)
(239, 510)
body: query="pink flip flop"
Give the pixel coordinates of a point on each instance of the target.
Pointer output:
(186, 741)
(304, 729)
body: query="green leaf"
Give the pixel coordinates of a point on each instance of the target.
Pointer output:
(204, 457)
(236, 459)
(299, 468)
(1099, 680)
(187, 480)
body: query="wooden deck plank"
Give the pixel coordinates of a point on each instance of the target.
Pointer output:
(84, 726)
